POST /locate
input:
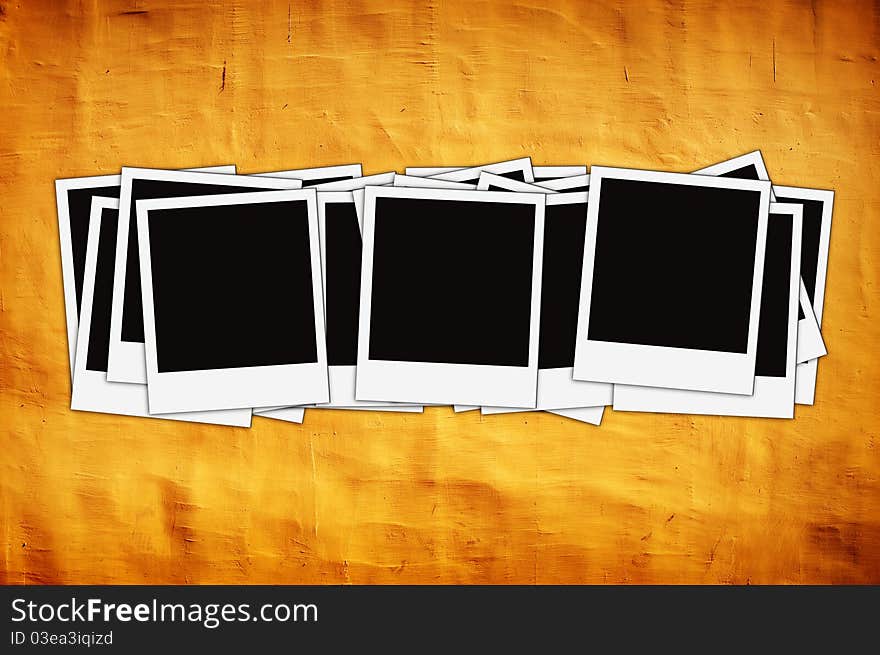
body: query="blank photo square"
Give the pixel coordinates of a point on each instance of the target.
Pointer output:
(778, 296)
(234, 301)
(342, 265)
(204, 257)
(564, 232)
(750, 166)
(102, 287)
(79, 203)
(126, 363)
(564, 236)
(74, 203)
(496, 333)
(647, 265)
(92, 392)
(777, 339)
(341, 248)
(565, 219)
(817, 209)
(423, 245)
(818, 206)
(672, 280)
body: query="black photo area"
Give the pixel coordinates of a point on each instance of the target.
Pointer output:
(812, 213)
(102, 300)
(564, 230)
(343, 282)
(325, 180)
(575, 189)
(79, 207)
(512, 175)
(747, 172)
(144, 189)
(674, 265)
(438, 297)
(232, 286)
(750, 172)
(773, 323)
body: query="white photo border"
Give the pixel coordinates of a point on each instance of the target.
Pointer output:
(811, 345)
(443, 383)
(556, 387)
(68, 278)
(379, 179)
(415, 182)
(488, 179)
(342, 378)
(428, 171)
(805, 386)
(229, 388)
(307, 174)
(523, 164)
(773, 396)
(660, 366)
(566, 183)
(288, 414)
(548, 173)
(591, 415)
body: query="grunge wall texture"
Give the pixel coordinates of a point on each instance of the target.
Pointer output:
(87, 86)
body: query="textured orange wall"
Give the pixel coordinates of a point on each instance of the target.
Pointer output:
(359, 497)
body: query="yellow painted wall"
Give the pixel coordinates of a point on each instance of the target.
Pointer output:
(361, 497)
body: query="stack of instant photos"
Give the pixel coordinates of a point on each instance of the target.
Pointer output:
(203, 295)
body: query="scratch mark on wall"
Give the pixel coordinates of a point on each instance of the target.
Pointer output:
(774, 60)
(711, 558)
